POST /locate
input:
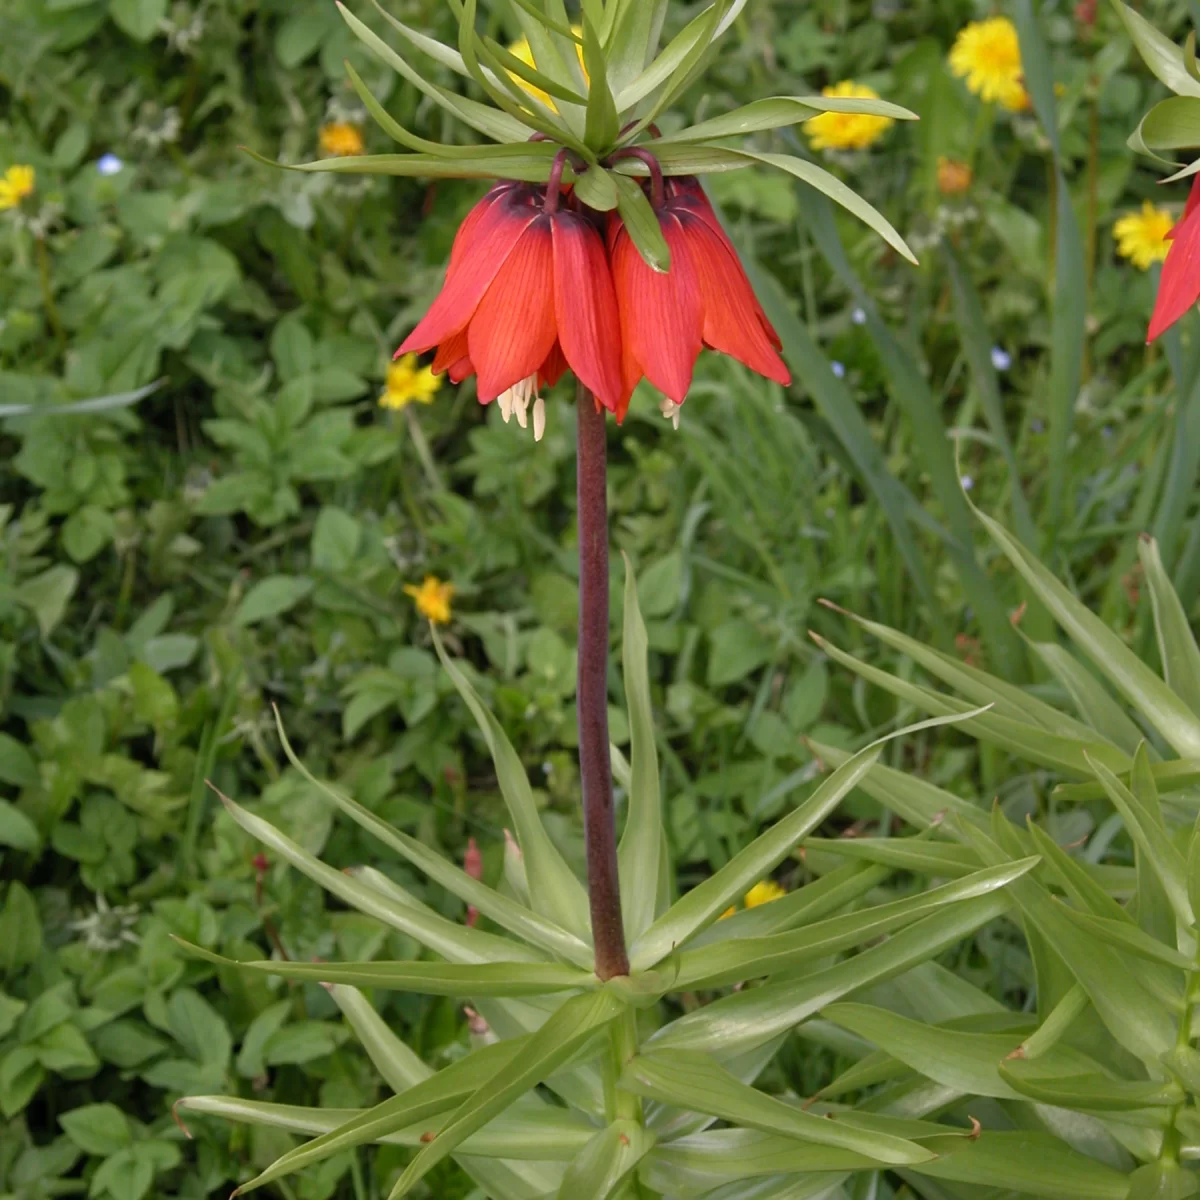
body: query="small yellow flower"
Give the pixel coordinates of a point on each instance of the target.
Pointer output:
(432, 599)
(953, 177)
(521, 49)
(728, 912)
(16, 184)
(847, 131)
(407, 382)
(764, 892)
(341, 139)
(1142, 236)
(988, 55)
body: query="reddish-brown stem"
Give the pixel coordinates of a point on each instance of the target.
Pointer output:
(595, 769)
(554, 183)
(657, 191)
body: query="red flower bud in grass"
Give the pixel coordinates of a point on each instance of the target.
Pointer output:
(527, 294)
(473, 866)
(704, 299)
(1179, 288)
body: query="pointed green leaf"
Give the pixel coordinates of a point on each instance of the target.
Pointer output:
(635, 38)
(777, 111)
(1090, 697)
(400, 1067)
(596, 188)
(488, 162)
(545, 1051)
(1172, 124)
(554, 889)
(1176, 642)
(514, 917)
(1159, 53)
(642, 223)
(606, 1162)
(603, 124)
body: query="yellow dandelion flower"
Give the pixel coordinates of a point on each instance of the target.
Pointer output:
(764, 892)
(953, 177)
(847, 131)
(16, 184)
(988, 55)
(521, 49)
(407, 382)
(1142, 236)
(341, 139)
(432, 599)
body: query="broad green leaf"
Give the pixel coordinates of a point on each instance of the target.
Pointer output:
(1176, 642)
(749, 958)
(514, 917)
(1172, 124)
(498, 126)
(1131, 677)
(1088, 1091)
(634, 40)
(642, 223)
(1139, 811)
(554, 890)
(640, 852)
(440, 1093)
(737, 1023)
(431, 978)
(544, 1052)
(603, 123)
(777, 111)
(695, 1081)
(606, 1162)
(400, 1067)
(596, 188)
(1159, 53)
(1057, 1025)
(1032, 1164)
(453, 941)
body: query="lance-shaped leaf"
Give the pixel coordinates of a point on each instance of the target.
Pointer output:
(512, 65)
(399, 1066)
(1176, 642)
(775, 112)
(1158, 52)
(707, 900)
(606, 1162)
(750, 958)
(489, 162)
(642, 223)
(1172, 124)
(640, 852)
(1138, 809)
(695, 1081)
(917, 854)
(1128, 674)
(429, 978)
(514, 917)
(499, 126)
(451, 940)
(554, 889)
(735, 1024)
(1175, 776)
(603, 124)
(441, 1093)
(596, 188)
(544, 1052)
(635, 32)
(1088, 1091)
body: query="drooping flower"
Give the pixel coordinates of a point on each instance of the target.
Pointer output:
(987, 54)
(1144, 237)
(764, 892)
(17, 183)
(528, 294)
(1179, 288)
(953, 177)
(704, 299)
(340, 139)
(847, 131)
(432, 599)
(407, 382)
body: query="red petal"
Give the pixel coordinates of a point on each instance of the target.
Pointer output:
(494, 235)
(1192, 200)
(462, 238)
(660, 313)
(554, 368)
(463, 369)
(1179, 288)
(449, 352)
(733, 323)
(513, 331)
(585, 307)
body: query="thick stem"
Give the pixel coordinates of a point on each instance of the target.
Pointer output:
(595, 769)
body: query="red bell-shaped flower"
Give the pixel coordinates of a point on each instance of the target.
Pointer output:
(1179, 287)
(528, 294)
(704, 299)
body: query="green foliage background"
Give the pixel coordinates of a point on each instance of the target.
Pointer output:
(178, 558)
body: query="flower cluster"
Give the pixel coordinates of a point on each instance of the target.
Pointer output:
(538, 284)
